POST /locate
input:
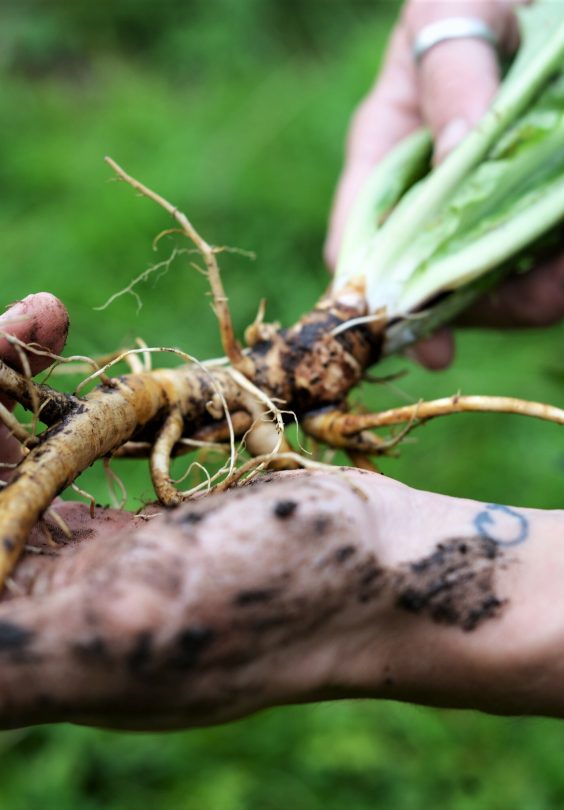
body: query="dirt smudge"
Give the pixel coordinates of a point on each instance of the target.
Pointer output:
(454, 585)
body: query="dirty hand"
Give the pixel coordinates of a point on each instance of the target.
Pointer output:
(306, 587)
(179, 619)
(303, 586)
(449, 91)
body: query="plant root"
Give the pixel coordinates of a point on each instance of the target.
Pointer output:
(362, 461)
(346, 425)
(15, 427)
(326, 427)
(87, 496)
(169, 435)
(236, 404)
(230, 344)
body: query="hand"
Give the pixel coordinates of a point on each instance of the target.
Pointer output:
(449, 91)
(307, 586)
(198, 616)
(166, 621)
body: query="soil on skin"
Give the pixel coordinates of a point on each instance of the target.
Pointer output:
(455, 584)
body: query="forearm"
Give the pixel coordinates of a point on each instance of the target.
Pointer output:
(306, 587)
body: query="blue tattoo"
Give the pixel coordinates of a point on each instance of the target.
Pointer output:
(506, 528)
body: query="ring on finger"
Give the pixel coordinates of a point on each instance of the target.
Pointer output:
(452, 28)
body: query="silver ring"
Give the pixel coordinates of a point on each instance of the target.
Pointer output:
(452, 28)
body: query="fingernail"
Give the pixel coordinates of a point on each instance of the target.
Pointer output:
(449, 137)
(12, 310)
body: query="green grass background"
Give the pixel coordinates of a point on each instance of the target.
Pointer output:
(236, 110)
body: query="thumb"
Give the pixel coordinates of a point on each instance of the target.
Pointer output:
(41, 319)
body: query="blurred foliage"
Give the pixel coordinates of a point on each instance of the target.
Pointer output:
(236, 110)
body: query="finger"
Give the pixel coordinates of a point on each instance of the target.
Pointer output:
(535, 299)
(40, 318)
(388, 114)
(458, 79)
(435, 352)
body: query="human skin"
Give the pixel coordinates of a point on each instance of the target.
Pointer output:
(40, 318)
(303, 586)
(449, 91)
